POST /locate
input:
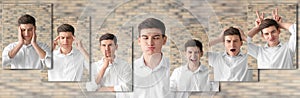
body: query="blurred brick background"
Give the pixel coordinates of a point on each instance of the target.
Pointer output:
(185, 19)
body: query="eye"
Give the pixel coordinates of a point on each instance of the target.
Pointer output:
(145, 38)
(156, 37)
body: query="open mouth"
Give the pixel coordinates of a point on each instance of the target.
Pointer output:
(232, 50)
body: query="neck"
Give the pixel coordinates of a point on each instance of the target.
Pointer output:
(193, 67)
(65, 50)
(153, 60)
(26, 42)
(273, 45)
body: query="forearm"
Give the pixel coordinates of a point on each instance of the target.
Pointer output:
(100, 75)
(214, 42)
(108, 88)
(85, 53)
(15, 50)
(253, 32)
(285, 25)
(39, 50)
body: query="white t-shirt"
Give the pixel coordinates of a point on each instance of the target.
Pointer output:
(182, 79)
(278, 57)
(228, 68)
(151, 83)
(26, 58)
(118, 75)
(67, 67)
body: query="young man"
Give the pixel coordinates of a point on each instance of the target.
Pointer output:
(230, 65)
(275, 54)
(110, 73)
(68, 62)
(151, 71)
(193, 76)
(27, 53)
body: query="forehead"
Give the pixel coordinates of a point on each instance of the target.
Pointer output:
(269, 29)
(26, 26)
(65, 34)
(193, 48)
(150, 31)
(231, 37)
(107, 42)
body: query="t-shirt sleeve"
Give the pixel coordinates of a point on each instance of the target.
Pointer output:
(126, 79)
(47, 60)
(211, 58)
(6, 60)
(252, 49)
(293, 37)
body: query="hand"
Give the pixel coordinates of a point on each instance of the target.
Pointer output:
(20, 36)
(33, 39)
(276, 17)
(55, 42)
(259, 19)
(108, 58)
(243, 36)
(78, 43)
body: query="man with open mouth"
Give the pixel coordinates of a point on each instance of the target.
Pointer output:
(230, 65)
(275, 54)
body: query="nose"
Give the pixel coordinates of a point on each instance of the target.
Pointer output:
(25, 33)
(271, 36)
(150, 41)
(107, 47)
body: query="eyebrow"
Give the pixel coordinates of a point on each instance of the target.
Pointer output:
(152, 36)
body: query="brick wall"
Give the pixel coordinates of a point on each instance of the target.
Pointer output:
(184, 19)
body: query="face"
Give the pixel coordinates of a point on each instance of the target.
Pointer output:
(193, 55)
(232, 44)
(27, 31)
(108, 47)
(271, 35)
(151, 41)
(66, 39)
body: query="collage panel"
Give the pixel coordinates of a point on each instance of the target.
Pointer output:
(70, 50)
(283, 54)
(111, 68)
(27, 28)
(228, 50)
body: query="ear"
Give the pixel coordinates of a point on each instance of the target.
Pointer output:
(139, 40)
(165, 40)
(116, 46)
(201, 54)
(278, 31)
(241, 43)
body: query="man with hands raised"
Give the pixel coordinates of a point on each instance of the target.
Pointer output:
(68, 62)
(230, 65)
(27, 53)
(274, 54)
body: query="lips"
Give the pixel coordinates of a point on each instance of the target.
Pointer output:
(151, 48)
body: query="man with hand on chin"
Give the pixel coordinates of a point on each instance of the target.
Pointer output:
(26, 53)
(230, 65)
(110, 73)
(68, 62)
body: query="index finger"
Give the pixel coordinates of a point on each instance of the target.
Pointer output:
(57, 37)
(257, 15)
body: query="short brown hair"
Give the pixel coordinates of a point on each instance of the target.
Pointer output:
(26, 19)
(193, 43)
(66, 28)
(108, 36)
(232, 31)
(267, 23)
(152, 23)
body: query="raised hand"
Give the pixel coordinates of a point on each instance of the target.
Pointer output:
(244, 38)
(78, 43)
(276, 17)
(55, 42)
(20, 36)
(33, 39)
(259, 18)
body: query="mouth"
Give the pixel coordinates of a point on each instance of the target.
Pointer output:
(232, 50)
(151, 48)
